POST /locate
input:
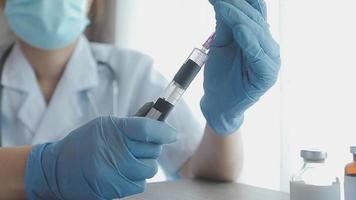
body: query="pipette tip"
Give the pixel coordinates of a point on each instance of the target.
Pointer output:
(210, 40)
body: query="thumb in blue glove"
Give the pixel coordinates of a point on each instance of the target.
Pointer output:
(105, 159)
(243, 63)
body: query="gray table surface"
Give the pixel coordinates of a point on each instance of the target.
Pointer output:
(199, 190)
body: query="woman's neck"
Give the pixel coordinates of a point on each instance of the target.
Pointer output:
(48, 65)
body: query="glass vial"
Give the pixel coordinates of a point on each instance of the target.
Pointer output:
(314, 181)
(350, 177)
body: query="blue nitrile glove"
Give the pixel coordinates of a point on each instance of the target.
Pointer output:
(243, 63)
(105, 159)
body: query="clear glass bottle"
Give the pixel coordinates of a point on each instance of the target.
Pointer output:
(350, 177)
(314, 180)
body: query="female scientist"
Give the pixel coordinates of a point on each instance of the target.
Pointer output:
(54, 81)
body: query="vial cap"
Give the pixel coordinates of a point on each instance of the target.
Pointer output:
(316, 156)
(353, 150)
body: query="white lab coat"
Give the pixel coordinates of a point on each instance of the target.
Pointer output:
(98, 80)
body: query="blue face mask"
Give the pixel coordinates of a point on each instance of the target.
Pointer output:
(47, 24)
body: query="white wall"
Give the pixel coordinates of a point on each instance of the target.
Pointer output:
(319, 85)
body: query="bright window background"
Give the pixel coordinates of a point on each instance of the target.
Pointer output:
(318, 82)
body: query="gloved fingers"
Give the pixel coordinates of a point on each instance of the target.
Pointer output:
(153, 166)
(223, 35)
(261, 64)
(233, 16)
(146, 130)
(247, 9)
(259, 5)
(109, 180)
(223, 32)
(259, 77)
(139, 169)
(252, 49)
(139, 187)
(131, 167)
(143, 149)
(111, 187)
(128, 187)
(212, 2)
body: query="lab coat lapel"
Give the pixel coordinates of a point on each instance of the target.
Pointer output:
(18, 76)
(61, 115)
(31, 111)
(65, 112)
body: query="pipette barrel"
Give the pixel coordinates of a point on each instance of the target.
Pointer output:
(181, 81)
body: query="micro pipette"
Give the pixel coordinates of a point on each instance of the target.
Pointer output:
(181, 81)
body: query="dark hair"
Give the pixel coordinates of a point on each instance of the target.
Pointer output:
(96, 10)
(102, 26)
(95, 30)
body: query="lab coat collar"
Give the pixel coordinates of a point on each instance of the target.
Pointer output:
(49, 122)
(64, 111)
(19, 76)
(81, 72)
(17, 71)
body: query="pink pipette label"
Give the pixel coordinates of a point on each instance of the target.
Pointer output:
(210, 40)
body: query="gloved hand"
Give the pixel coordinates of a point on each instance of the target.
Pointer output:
(105, 159)
(243, 63)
